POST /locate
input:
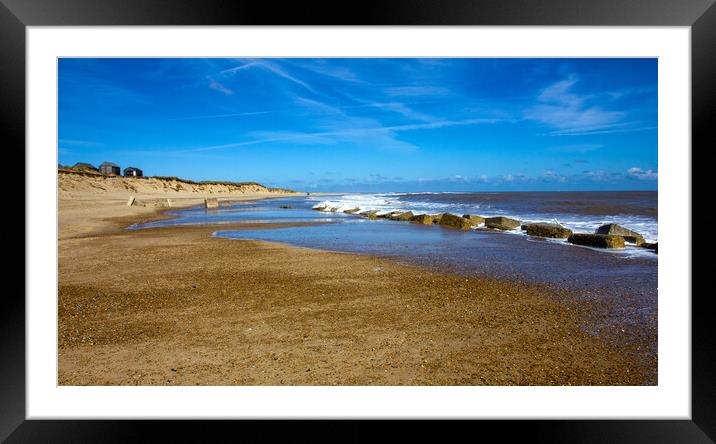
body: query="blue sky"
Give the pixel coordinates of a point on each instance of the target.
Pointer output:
(368, 124)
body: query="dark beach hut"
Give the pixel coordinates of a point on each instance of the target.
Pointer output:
(132, 172)
(109, 168)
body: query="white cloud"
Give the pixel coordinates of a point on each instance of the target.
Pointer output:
(640, 174)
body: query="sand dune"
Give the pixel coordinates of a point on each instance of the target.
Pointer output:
(70, 180)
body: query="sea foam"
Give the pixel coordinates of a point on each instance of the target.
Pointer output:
(387, 202)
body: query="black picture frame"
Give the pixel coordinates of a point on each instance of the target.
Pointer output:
(16, 15)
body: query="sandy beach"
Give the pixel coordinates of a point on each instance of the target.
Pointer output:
(176, 306)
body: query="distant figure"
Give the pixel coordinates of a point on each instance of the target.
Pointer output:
(308, 194)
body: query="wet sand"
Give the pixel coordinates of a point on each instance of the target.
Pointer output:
(175, 306)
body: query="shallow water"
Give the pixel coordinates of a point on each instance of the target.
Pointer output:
(264, 211)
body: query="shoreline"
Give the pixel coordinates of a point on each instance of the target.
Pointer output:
(399, 324)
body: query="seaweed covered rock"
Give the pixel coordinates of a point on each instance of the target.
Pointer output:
(401, 216)
(502, 223)
(453, 221)
(617, 230)
(352, 211)
(370, 214)
(425, 219)
(320, 208)
(596, 240)
(553, 231)
(654, 247)
(475, 219)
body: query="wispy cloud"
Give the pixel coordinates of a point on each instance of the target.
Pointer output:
(632, 91)
(317, 105)
(239, 68)
(219, 116)
(293, 136)
(580, 148)
(274, 68)
(417, 90)
(218, 86)
(400, 108)
(569, 113)
(627, 127)
(272, 137)
(326, 69)
(271, 67)
(80, 143)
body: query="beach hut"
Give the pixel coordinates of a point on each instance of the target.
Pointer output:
(132, 172)
(109, 168)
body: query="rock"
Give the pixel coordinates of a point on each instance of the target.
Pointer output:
(502, 223)
(388, 215)
(211, 203)
(402, 216)
(453, 221)
(333, 210)
(617, 230)
(352, 211)
(597, 240)
(548, 230)
(322, 208)
(371, 214)
(425, 219)
(636, 240)
(475, 219)
(285, 206)
(437, 218)
(654, 246)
